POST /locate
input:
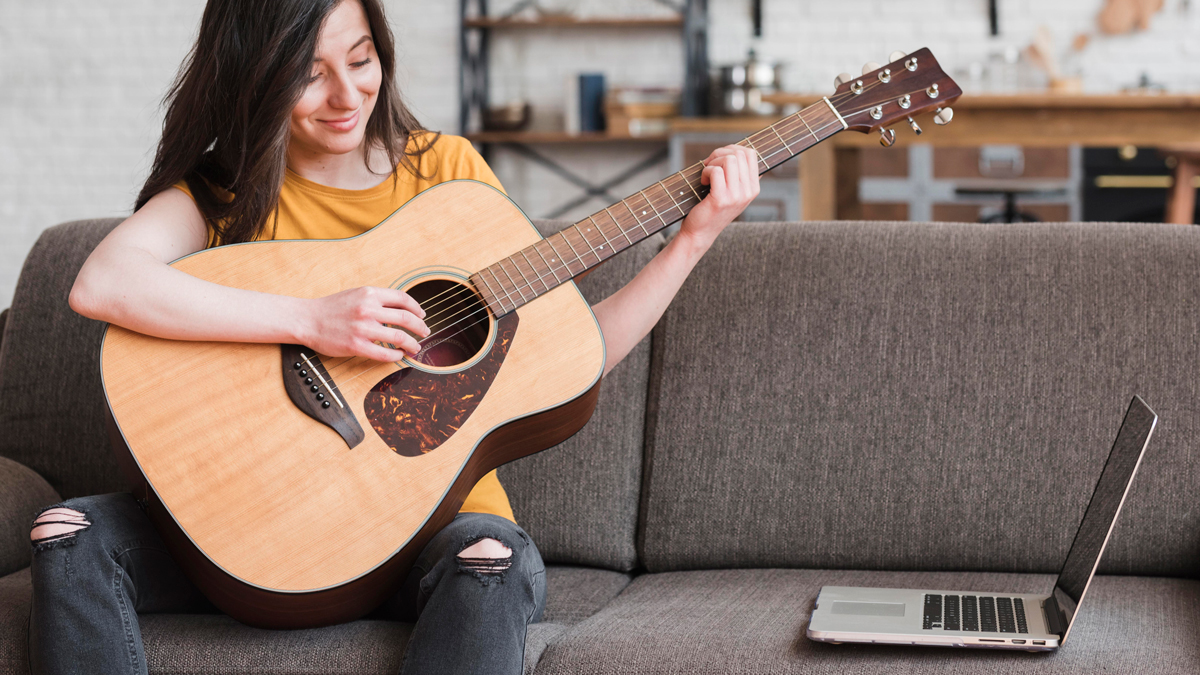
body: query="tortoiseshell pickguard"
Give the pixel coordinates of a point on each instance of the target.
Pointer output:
(415, 411)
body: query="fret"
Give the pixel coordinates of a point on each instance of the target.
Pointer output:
(545, 286)
(620, 227)
(550, 240)
(577, 256)
(689, 184)
(814, 134)
(678, 175)
(528, 284)
(635, 218)
(664, 220)
(611, 249)
(785, 143)
(757, 153)
(548, 265)
(645, 212)
(514, 282)
(490, 291)
(588, 242)
(668, 191)
(501, 285)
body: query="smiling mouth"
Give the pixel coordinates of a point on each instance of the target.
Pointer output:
(343, 124)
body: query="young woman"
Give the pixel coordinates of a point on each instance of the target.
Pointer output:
(285, 123)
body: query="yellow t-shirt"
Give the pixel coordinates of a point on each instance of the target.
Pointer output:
(309, 210)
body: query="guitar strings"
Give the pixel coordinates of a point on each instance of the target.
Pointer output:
(462, 317)
(458, 320)
(459, 292)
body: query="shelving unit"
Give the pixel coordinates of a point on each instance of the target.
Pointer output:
(477, 28)
(477, 25)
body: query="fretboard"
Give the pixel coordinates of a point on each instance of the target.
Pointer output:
(513, 281)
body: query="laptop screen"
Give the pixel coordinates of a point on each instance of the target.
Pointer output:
(1106, 501)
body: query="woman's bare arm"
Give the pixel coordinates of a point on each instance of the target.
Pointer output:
(626, 316)
(127, 281)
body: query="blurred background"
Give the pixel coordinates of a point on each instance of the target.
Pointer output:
(1073, 109)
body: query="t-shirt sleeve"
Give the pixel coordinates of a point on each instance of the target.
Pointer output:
(459, 159)
(182, 186)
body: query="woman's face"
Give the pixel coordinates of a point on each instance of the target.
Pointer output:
(331, 116)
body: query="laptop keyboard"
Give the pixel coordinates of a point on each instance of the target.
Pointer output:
(974, 613)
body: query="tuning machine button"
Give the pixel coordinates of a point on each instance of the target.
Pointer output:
(896, 56)
(857, 87)
(913, 123)
(943, 116)
(885, 75)
(933, 90)
(869, 66)
(887, 137)
(841, 79)
(876, 112)
(905, 101)
(911, 64)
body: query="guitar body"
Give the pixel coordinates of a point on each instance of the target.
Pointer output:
(286, 519)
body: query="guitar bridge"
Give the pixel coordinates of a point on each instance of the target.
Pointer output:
(314, 392)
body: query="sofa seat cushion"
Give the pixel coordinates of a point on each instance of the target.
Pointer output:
(754, 621)
(575, 593)
(214, 643)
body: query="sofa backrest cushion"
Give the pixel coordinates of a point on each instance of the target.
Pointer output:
(579, 500)
(51, 403)
(923, 396)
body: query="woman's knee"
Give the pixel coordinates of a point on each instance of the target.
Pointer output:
(63, 523)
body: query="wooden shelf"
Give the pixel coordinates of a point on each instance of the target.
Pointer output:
(531, 137)
(570, 22)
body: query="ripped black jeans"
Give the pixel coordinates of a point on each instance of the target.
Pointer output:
(89, 587)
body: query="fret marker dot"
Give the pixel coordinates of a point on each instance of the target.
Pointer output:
(643, 213)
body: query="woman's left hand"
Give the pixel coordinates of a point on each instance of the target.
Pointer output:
(731, 173)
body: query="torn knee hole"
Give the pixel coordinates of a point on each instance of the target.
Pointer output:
(57, 524)
(486, 557)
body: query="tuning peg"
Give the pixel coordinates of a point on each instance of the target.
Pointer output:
(943, 116)
(896, 56)
(869, 66)
(913, 123)
(887, 137)
(841, 79)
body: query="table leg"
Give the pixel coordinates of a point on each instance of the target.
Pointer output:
(1181, 198)
(818, 184)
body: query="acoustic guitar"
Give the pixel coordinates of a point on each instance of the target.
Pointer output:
(296, 489)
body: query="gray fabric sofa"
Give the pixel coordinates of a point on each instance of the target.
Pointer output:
(824, 403)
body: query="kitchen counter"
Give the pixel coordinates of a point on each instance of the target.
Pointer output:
(1033, 119)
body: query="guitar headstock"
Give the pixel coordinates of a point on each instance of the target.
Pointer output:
(908, 86)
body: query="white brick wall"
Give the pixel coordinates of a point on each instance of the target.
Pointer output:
(81, 80)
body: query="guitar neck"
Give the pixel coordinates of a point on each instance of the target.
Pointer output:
(513, 281)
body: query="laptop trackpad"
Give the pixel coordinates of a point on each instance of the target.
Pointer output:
(868, 608)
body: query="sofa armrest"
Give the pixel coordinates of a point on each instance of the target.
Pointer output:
(22, 493)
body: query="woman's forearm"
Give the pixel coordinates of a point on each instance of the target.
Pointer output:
(131, 288)
(626, 316)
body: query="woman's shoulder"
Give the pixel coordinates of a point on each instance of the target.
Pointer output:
(448, 157)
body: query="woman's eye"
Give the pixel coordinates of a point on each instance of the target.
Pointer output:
(314, 78)
(360, 64)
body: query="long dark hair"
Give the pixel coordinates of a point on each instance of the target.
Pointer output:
(227, 125)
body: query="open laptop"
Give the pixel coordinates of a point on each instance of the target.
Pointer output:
(993, 620)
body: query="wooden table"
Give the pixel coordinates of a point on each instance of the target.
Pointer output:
(1036, 119)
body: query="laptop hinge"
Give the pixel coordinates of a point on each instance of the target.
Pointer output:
(1055, 622)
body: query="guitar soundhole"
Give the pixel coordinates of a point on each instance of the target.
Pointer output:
(458, 322)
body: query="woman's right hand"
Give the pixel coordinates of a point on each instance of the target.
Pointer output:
(353, 322)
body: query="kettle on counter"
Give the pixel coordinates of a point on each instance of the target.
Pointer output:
(738, 89)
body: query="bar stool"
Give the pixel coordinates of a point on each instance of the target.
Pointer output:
(1010, 214)
(1181, 197)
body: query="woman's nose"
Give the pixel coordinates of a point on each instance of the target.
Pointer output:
(343, 94)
